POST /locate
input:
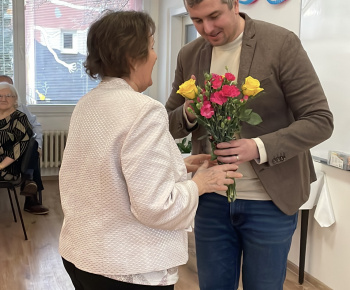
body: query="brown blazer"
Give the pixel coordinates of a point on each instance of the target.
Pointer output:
(293, 108)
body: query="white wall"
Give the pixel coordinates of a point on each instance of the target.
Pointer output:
(53, 117)
(325, 29)
(286, 14)
(166, 9)
(152, 7)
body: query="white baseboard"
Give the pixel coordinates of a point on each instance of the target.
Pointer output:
(307, 277)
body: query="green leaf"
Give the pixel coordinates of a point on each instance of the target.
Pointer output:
(254, 119)
(183, 147)
(245, 115)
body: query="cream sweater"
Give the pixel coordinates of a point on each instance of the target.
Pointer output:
(123, 184)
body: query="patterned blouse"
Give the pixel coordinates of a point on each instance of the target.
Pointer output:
(15, 132)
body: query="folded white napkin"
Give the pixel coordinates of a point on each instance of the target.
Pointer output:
(324, 213)
(315, 191)
(319, 197)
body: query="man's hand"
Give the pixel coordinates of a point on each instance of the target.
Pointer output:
(191, 117)
(237, 151)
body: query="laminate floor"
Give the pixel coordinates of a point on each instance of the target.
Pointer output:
(35, 264)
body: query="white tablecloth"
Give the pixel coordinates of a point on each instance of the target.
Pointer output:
(320, 197)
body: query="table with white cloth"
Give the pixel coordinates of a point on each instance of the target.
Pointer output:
(324, 215)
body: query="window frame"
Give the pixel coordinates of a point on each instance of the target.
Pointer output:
(19, 75)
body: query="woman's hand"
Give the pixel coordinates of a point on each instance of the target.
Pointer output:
(214, 178)
(193, 162)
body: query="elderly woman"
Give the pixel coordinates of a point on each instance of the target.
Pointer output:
(30, 187)
(126, 199)
(15, 132)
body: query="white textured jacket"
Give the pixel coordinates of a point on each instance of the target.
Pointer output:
(125, 196)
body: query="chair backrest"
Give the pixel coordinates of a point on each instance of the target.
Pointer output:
(27, 155)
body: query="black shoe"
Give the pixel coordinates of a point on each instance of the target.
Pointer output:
(30, 188)
(36, 209)
(33, 206)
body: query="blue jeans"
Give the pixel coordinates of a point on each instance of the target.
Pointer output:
(255, 231)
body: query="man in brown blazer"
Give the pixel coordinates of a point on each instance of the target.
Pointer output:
(273, 156)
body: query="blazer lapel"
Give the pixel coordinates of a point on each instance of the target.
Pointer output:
(248, 49)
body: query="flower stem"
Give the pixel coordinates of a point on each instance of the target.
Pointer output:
(231, 192)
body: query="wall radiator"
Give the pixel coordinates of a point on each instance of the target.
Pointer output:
(53, 146)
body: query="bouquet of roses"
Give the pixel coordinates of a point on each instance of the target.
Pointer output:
(221, 107)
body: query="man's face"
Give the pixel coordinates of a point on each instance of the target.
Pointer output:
(215, 22)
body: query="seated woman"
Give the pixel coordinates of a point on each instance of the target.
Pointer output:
(34, 183)
(15, 132)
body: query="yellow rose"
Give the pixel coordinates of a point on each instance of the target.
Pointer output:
(188, 89)
(251, 87)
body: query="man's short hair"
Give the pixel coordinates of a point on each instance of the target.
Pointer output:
(191, 3)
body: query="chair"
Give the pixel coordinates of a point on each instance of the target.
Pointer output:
(40, 194)
(11, 185)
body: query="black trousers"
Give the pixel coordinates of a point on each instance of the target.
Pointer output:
(87, 281)
(35, 165)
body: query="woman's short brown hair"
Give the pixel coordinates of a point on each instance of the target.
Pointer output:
(116, 39)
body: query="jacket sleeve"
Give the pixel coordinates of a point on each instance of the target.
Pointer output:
(310, 121)
(37, 129)
(174, 105)
(155, 174)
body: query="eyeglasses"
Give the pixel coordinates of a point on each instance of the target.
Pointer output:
(6, 96)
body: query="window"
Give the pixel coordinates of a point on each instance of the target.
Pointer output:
(68, 42)
(189, 31)
(54, 45)
(6, 45)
